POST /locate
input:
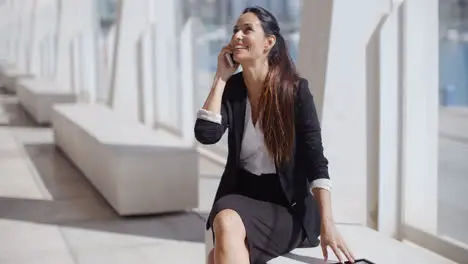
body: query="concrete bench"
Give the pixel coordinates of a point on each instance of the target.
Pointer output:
(9, 77)
(364, 243)
(4, 67)
(453, 123)
(138, 170)
(37, 97)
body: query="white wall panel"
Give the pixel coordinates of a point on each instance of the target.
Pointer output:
(334, 56)
(132, 25)
(420, 112)
(76, 52)
(389, 126)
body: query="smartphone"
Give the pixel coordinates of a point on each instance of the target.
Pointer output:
(359, 261)
(229, 59)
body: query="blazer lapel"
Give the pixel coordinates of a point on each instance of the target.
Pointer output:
(240, 122)
(239, 117)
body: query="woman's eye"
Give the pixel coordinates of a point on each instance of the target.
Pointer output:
(245, 30)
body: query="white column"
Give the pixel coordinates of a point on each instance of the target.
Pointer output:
(420, 111)
(43, 49)
(76, 52)
(5, 33)
(132, 25)
(25, 16)
(388, 125)
(167, 71)
(30, 44)
(14, 29)
(188, 68)
(145, 76)
(335, 40)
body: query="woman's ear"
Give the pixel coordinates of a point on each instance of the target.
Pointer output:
(270, 42)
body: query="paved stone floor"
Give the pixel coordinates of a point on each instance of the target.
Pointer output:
(453, 188)
(50, 213)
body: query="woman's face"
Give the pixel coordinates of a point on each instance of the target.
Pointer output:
(248, 40)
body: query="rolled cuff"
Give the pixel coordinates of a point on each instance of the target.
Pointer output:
(209, 116)
(321, 183)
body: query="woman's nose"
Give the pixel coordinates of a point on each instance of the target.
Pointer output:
(237, 36)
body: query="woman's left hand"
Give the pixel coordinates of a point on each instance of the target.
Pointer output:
(330, 237)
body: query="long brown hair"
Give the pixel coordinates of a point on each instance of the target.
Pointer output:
(276, 105)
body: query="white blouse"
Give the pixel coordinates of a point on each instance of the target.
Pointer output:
(254, 156)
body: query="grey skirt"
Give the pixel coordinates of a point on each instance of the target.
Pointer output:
(272, 229)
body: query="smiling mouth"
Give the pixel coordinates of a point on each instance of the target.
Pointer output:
(240, 47)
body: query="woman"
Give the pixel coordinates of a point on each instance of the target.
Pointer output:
(264, 206)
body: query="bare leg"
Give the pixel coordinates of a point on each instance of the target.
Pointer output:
(230, 234)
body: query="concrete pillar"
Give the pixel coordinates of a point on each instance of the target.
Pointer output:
(25, 14)
(132, 55)
(337, 56)
(76, 51)
(167, 67)
(44, 44)
(388, 126)
(188, 68)
(420, 111)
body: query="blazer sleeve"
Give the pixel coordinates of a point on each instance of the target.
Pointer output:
(309, 138)
(209, 127)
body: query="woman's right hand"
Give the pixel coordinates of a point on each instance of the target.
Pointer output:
(224, 70)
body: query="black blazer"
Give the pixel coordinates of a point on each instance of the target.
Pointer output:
(308, 162)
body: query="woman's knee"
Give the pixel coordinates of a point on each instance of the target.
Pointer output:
(229, 221)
